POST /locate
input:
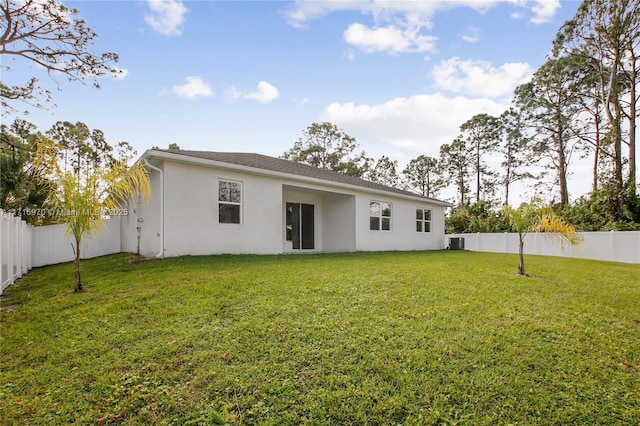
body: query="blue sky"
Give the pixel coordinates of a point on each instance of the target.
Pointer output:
(400, 77)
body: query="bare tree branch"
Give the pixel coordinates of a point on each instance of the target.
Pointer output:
(47, 33)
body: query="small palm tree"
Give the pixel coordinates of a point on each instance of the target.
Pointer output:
(530, 217)
(82, 196)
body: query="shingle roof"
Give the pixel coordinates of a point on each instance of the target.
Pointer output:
(265, 162)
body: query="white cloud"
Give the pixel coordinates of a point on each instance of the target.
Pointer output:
(42, 10)
(304, 11)
(194, 88)
(480, 78)
(166, 16)
(544, 10)
(398, 25)
(266, 93)
(418, 125)
(472, 35)
(388, 39)
(400, 13)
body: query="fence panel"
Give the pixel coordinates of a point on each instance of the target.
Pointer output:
(614, 246)
(15, 249)
(52, 244)
(23, 246)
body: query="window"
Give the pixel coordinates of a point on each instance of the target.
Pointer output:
(423, 220)
(379, 216)
(229, 201)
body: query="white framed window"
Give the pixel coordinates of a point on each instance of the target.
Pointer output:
(379, 216)
(229, 201)
(423, 220)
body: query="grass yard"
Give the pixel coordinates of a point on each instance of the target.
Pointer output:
(415, 338)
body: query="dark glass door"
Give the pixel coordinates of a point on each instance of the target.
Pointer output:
(300, 225)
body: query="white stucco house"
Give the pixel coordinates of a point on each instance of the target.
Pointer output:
(231, 203)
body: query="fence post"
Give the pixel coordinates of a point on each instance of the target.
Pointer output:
(10, 243)
(19, 246)
(25, 245)
(29, 252)
(612, 245)
(1, 258)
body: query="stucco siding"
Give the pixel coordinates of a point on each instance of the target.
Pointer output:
(181, 217)
(191, 213)
(403, 234)
(339, 223)
(146, 215)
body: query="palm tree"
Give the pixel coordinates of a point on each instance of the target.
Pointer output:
(84, 195)
(530, 217)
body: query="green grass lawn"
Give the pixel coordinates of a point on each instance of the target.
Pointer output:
(414, 338)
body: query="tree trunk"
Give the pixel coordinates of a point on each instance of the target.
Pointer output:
(506, 195)
(521, 255)
(507, 177)
(631, 183)
(562, 171)
(78, 286)
(461, 188)
(478, 172)
(596, 156)
(612, 101)
(594, 182)
(619, 179)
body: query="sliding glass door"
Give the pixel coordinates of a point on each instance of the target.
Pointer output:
(300, 225)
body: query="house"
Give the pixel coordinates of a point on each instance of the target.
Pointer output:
(219, 202)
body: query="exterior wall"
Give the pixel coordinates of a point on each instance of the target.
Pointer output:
(191, 213)
(403, 234)
(146, 216)
(341, 216)
(345, 223)
(339, 223)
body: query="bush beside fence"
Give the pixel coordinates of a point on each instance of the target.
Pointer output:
(612, 246)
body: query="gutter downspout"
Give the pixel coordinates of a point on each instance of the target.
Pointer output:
(161, 253)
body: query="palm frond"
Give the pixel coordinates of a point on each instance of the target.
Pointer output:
(557, 229)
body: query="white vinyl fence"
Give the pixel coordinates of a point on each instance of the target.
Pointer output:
(621, 246)
(51, 244)
(23, 246)
(15, 248)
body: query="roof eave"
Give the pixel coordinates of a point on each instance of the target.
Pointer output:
(163, 155)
